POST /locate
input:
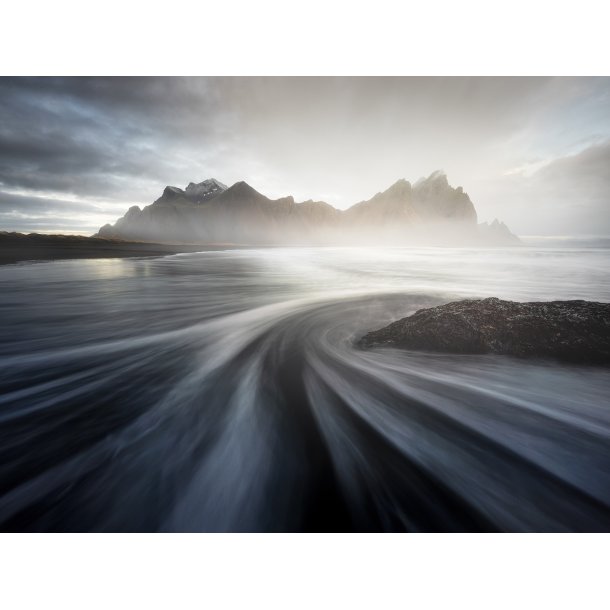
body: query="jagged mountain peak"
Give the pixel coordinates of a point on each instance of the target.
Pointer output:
(195, 191)
(198, 191)
(497, 231)
(208, 182)
(399, 187)
(243, 189)
(437, 178)
(170, 192)
(208, 212)
(438, 174)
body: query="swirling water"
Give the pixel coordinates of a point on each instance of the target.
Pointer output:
(223, 391)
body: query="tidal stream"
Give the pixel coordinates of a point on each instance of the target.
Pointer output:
(223, 391)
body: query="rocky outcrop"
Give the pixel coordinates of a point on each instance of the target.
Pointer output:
(575, 331)
(430, 212)
(497, 233)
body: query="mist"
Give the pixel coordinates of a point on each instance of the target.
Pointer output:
(76, 152)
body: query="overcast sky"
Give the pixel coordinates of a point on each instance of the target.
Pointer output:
(75, 153)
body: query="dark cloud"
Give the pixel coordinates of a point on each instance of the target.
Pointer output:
(26, 204)
(27, 213)
(42, 224)
(122, 139)
(99, 137)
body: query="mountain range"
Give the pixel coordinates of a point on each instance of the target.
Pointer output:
(430, 211)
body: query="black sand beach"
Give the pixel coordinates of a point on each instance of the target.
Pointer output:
(16, 247)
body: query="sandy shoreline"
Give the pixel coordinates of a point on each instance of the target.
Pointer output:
(18, 247)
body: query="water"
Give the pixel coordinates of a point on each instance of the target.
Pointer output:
(222, 391)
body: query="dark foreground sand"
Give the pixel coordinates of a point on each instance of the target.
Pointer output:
(15, 247)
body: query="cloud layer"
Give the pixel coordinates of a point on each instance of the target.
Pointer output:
(76, 152)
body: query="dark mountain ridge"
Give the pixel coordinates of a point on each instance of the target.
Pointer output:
(430, 211)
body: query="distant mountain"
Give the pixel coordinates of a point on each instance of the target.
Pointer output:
(497, 232)
(429, 199)
(429, 211)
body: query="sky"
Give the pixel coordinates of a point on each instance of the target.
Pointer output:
(77, 152)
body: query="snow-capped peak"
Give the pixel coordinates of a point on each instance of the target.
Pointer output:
(204, 190)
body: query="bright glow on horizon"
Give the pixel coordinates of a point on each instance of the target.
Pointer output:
(532, 152)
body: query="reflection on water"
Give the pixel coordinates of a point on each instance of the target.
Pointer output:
(223, 391)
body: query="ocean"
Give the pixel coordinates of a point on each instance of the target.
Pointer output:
(224, 391)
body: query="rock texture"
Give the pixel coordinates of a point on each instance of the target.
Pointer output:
(429, 212)
(576, 331)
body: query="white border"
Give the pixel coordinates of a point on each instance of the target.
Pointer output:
(304, 571)
(308, 571)
(327, 37)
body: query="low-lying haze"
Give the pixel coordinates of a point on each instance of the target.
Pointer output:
(75, 152)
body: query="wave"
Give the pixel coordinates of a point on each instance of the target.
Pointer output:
(267, 417)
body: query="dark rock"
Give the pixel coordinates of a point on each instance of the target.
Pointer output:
(576, 331)
(203, 191)
(172, 192)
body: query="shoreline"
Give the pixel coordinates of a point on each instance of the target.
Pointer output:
(39, 247)
(19, 247)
